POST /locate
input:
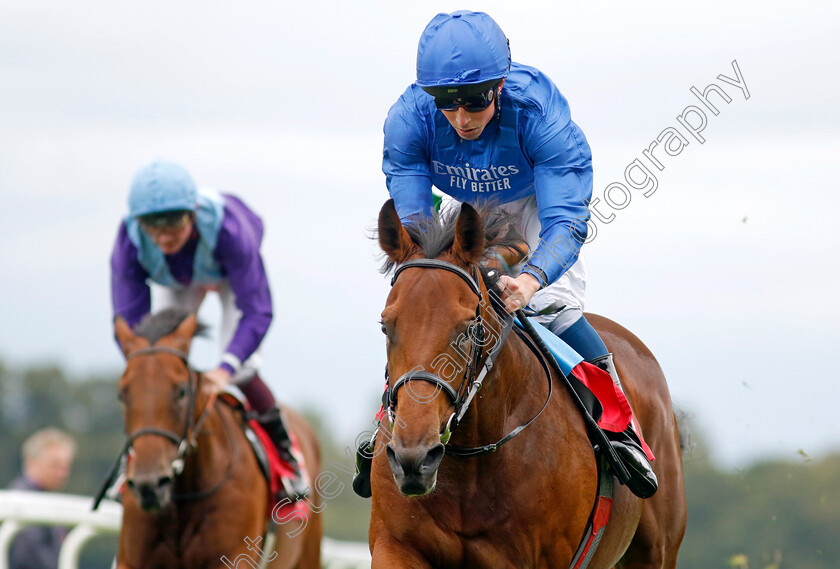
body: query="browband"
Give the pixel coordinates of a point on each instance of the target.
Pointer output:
(436, 264)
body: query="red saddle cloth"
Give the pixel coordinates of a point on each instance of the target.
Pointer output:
(277, 467)
(617, 414)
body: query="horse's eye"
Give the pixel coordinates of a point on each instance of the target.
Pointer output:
(180, 392)
(122, 395)
(384, 329)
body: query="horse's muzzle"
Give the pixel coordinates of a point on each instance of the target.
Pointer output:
(153, 492)
(415, 469)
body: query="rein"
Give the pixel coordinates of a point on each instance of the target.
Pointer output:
(476, 451)
(472, 379)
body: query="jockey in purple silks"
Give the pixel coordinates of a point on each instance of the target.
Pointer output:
(179, 242)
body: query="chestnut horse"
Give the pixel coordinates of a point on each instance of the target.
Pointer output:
(196, 490)
(526, 504)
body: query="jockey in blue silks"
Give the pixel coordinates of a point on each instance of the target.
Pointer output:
(186, 241)
(479, 127)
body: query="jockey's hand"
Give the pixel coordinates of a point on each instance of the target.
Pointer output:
(517, 292)
(218, 377)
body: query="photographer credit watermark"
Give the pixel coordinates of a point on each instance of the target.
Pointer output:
(639, 177)
(640, 174)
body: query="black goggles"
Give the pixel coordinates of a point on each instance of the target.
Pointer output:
(478, 98)
(166, 219)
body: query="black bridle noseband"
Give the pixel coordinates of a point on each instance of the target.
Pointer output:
(472, 379)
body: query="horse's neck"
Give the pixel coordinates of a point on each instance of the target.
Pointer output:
(207, 463)
(506, 397)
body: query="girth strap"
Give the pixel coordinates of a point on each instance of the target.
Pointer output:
(597, 519)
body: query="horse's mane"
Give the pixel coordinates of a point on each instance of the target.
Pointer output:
(435, 234)
(153, 327)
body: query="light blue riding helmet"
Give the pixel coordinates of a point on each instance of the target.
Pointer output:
(161, 186)
(462, 48)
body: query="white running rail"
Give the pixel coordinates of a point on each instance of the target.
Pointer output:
(344, 554)
(19, 509)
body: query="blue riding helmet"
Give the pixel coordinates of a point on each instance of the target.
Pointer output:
(161, 186)
(462, 48)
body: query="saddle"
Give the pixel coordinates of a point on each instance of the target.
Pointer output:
(273, 468)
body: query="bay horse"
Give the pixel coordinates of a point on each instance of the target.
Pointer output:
(197, 494)
(528, 503)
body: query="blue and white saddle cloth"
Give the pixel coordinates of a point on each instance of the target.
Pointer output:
(565, 356)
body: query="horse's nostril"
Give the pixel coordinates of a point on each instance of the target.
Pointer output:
(164, 481)
(415, 461)
(433, 457)
(395, 463)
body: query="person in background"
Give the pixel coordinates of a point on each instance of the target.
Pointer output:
(47, 459)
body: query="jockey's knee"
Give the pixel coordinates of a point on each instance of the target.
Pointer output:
(578, 333)
(256, 392)
(564, 320)
(244, 376)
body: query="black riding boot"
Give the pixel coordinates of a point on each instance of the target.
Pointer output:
(364, 460)
(642, 481)
(274, 425)
(627, 445)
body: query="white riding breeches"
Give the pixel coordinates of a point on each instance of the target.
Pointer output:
(191, 297)
(568, 291)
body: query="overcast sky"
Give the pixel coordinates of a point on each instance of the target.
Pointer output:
(727, 271)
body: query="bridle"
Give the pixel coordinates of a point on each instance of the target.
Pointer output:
(472, 378)
(188, 439)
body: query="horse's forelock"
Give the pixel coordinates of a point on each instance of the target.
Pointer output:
(153, 327)
(435, 235)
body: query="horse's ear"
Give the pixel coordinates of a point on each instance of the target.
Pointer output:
(183, 335)
(393, 238)
(470, 241)
(125, 336)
